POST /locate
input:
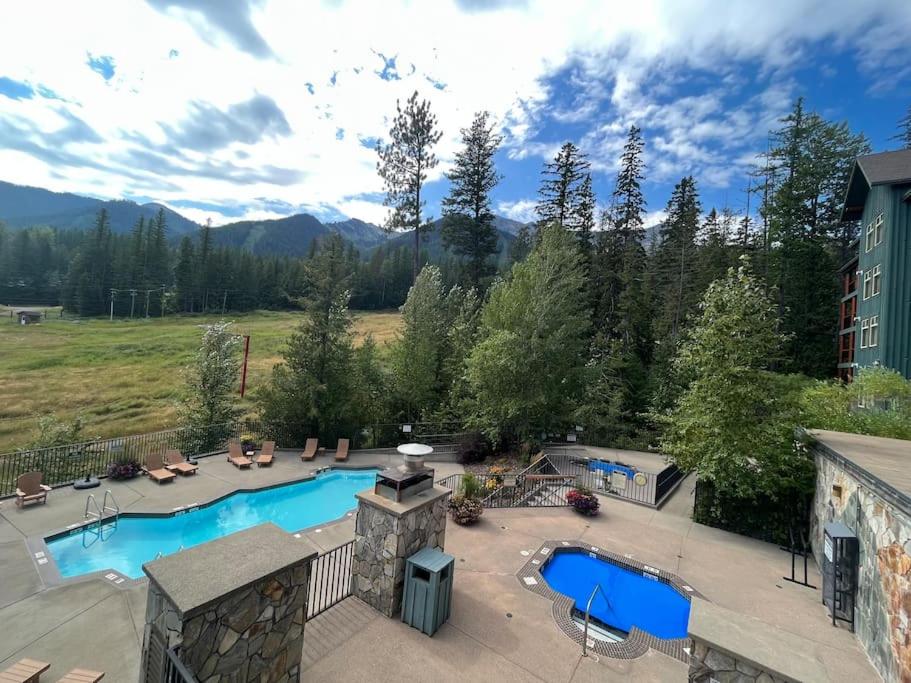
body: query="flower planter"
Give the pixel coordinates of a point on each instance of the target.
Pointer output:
(465, 511)
(584, 502)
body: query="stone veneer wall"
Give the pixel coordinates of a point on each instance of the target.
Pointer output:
(708, 663)
(883, 617)
(255, 634)
(384, 538)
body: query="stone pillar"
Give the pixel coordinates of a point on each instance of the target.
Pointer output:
(236, 608)
(386, 533)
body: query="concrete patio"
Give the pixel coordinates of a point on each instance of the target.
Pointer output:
(497, 631)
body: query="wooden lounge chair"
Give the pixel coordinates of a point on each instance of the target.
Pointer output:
(310, 449)
(156, 470)
(236, 456)
(82, 676)
(266, 455)
(24, 671)
(177, 463)
(29, 489)
(341, 450)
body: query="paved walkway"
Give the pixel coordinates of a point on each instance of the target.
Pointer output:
(498, 630)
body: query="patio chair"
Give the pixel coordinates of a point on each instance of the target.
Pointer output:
(82, 676)
(310, 449)
(341, 450)
(266, 455)
(237, 458)
(29, 489)
(156, 470)
(25, 671)
(177, 463)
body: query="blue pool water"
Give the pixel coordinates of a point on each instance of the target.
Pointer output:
(133, 541)
(632, 599)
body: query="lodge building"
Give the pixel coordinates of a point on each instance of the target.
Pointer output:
(875, 309)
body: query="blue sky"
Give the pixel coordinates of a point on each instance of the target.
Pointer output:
(264, 108)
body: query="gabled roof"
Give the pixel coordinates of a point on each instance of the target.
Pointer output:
(885, 168)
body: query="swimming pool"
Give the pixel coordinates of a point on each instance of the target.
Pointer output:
(133, 540)
(631, 598)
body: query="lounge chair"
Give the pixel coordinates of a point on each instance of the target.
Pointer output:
(310, 449)
(341, 450)
(156, 470)
(29, 489)
(236, 456)
(177, 463)
(82, 676)
(25, 671)
(266, 455)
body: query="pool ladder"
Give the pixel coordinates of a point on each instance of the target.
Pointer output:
(588, 611)
(99, 512)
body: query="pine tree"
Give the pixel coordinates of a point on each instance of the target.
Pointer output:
(185, 275)
(403, 165)
(627, 201)
(560, 192)
(676, 253)
(904, 131)
(138, 254)
(468, 222)
(158, 257)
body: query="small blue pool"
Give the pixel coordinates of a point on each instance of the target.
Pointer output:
(632, 599)
(134, 540)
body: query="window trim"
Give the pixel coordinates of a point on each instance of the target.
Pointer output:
(868, 284)
(868, 238)
(864, 333)
(874, 332)
(876, 280)
(878, 229)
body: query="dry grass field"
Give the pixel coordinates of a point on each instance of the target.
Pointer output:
(125, 377)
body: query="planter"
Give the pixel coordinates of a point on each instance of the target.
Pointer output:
(465, 511)
(584, 502)
(125, 469)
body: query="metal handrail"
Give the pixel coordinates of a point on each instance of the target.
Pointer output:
(588, 610)
(115, 508)
(96, 514)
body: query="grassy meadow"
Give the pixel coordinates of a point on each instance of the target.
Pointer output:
(126, 377)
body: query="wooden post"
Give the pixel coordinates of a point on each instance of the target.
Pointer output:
(243, 377)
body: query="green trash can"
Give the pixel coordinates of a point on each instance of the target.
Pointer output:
(428, 589)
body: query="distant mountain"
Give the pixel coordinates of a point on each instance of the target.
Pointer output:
(432, 241)
(22, 206)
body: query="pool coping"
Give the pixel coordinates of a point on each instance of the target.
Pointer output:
(50, 575)
(638, 642)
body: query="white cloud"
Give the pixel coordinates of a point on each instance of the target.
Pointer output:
(630, 56)
(522, 210)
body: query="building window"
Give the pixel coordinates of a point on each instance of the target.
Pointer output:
(876, 280)
(864, 333)
(868, 284)
(868, 240)
(878, 227)
(874, 331)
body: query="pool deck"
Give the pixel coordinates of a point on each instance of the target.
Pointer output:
(497, 631)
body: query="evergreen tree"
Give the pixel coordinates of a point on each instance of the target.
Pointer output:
(311, 390)
(904, 131)
(468, 222)
(561, 188)
(138, 255)
(185, 275)
(627, 201)
(403, 165)
(676, 253)
(419, 353)
(526, 373)
(158, 266)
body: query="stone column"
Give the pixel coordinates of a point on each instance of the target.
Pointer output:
(236, 607)
(386, 533)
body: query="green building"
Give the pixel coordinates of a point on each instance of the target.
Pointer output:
(877, 282)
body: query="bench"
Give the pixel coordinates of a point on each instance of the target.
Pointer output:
(24, 671)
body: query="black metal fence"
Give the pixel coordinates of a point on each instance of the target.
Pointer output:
(65, 464)
(538, 485)
(330, 579)
(174, 669)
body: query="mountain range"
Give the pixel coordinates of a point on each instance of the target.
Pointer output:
(22, 206)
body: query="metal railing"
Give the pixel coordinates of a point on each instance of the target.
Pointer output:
(588, 612)
(330, 579)
(174, 669)
(538, 485)
(65, 464)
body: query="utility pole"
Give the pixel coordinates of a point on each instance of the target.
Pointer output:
(132, 302)
(112, 304)
(243, 377)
